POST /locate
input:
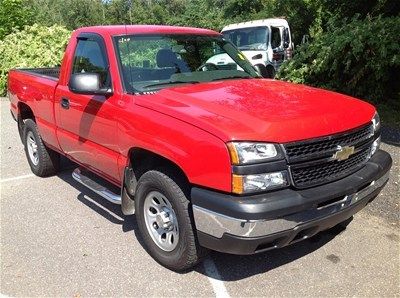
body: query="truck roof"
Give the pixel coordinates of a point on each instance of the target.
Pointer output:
(145, 29)
(257, 23)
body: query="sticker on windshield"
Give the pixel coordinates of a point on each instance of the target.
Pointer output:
(123, 40)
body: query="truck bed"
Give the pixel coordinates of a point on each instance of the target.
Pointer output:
(35, 87)
(52, 73)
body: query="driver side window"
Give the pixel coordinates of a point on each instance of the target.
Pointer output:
(275, 37)
(90, 57)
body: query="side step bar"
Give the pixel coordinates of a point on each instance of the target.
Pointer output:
(96, 187)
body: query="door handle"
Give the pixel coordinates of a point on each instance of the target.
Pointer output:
(64, 103)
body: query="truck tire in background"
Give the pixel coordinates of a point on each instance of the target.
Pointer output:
(42, 160)
(163, 213)
(262, 70)
(270, 70)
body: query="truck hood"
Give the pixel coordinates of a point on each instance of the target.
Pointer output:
(260, 109)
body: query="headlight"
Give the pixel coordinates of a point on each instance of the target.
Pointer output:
(376, 122)
(375, 145)
(249, 152)
(258, 182)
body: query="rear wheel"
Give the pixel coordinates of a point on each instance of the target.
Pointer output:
(42, 160)
(164, 219)
(21, 128)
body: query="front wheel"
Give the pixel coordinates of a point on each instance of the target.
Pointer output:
(165, 223)
(270, 72)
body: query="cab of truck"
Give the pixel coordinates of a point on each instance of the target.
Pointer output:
(265, 43)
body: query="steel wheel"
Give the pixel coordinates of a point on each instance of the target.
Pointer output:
(163, 215)
(161, 222)
(32, 148)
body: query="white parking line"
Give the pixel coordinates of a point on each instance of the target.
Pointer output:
(215, 278)
(16, 178)
(210, 269)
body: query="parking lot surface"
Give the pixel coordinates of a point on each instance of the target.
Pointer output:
(60, 239)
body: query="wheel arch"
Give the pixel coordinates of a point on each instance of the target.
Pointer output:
(140, 161)
(24, 112)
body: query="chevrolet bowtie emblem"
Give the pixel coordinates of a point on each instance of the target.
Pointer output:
(343, 153)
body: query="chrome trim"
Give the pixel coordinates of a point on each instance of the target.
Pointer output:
(97, 188)
(216, 224)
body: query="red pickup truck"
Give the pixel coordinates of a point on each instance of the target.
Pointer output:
(208, 156)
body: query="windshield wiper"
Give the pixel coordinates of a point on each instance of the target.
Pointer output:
(231, 77)
(170, 83)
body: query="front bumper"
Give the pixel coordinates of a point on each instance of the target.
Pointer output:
(246, 225)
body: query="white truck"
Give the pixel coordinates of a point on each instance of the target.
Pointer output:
(265, 43)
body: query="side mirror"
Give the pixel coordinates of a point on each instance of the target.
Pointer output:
(256, 57)
(286, 39)
(87, 83)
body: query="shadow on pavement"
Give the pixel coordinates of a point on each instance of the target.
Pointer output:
(108, 210)
(234, 267)
(390, 135)
(230, 267)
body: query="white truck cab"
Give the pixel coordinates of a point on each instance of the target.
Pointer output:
(265, 43)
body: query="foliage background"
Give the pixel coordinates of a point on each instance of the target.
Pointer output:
(353, 45)
(34, 46)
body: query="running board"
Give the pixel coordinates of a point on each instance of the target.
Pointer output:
(96, 187)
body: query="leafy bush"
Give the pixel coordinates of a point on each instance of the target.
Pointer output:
(13, 15)
(360, 58)
(35, 46)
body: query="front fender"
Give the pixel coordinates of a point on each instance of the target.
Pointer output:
(203, 157)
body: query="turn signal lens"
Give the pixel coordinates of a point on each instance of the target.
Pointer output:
(233, 153)
(237, 184)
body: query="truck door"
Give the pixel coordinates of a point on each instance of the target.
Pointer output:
(87, 124)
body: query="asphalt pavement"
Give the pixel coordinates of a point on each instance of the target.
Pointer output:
(60, 239)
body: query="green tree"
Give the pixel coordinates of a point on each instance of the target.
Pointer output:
(241, 9)
(361, 57)
(69, 13)
(13, 16)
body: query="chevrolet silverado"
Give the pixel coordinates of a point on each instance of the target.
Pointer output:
(206, 156)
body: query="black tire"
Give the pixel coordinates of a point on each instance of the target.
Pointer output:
(48, 160)
(262, 70)
(270, 71)
(21, 128)
(188, 252)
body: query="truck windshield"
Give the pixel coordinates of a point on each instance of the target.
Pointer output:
(253, 38)
(152, 62)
